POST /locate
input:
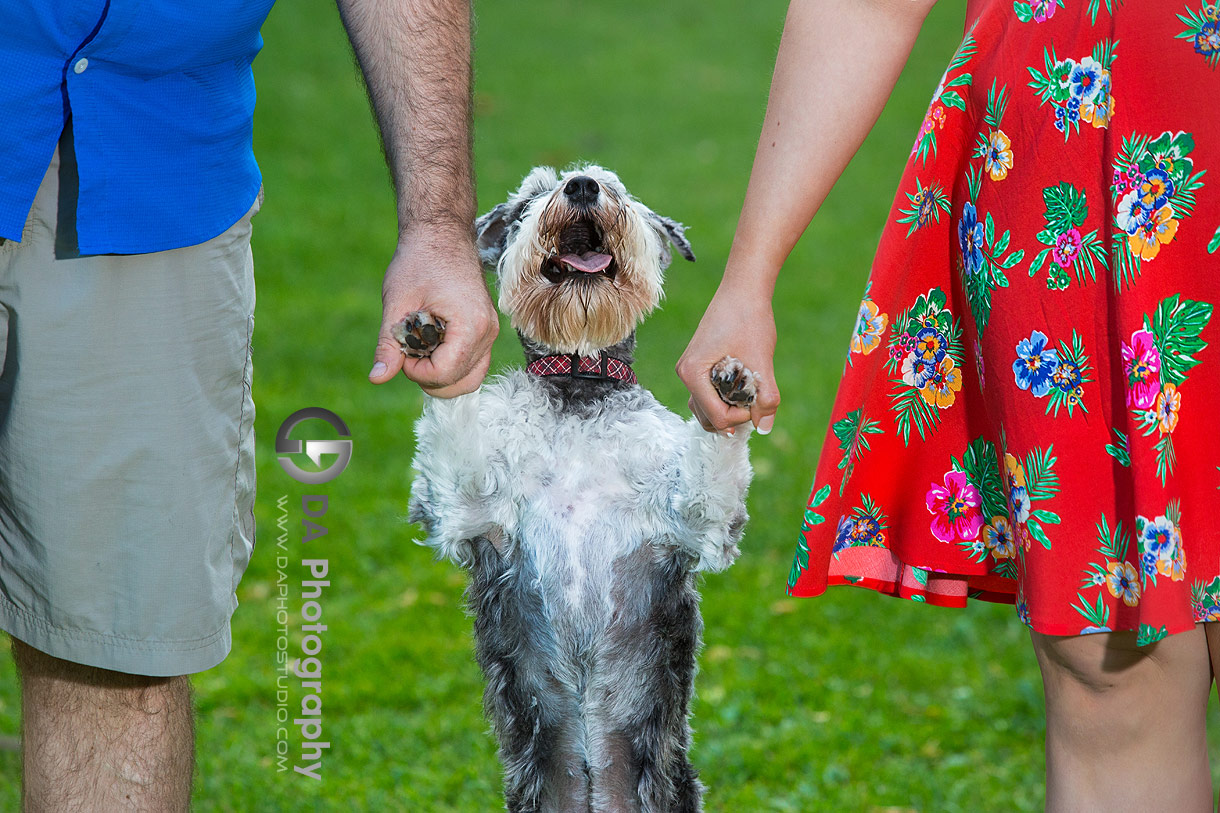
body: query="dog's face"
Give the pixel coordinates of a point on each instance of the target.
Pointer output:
(579, 260)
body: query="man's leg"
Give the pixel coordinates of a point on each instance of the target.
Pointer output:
(126, 489)
(1126, 725)
(93, 739)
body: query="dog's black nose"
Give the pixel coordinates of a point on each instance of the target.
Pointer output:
(582, 190)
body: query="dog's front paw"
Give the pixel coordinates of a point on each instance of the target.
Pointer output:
(734, 382)
(419, 334)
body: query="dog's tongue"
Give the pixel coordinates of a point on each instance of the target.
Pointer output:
(590, 262)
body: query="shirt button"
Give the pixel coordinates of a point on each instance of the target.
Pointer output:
(80, 65)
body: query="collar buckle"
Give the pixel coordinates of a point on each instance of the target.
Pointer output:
(597, 374)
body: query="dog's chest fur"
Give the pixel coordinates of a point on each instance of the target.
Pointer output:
(576, 486)
(588, 503)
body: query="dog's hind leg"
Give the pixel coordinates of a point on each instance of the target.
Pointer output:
(544, 763)
(544, 771)
(645, 685)
(668, 782)
(616, 777)
(533, 714)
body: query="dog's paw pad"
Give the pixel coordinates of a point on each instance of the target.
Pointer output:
(734, 382)
(419, 334)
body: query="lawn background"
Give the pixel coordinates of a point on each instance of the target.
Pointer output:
(848, 702)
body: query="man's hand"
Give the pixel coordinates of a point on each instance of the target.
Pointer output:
(415, 58)
(439, 273)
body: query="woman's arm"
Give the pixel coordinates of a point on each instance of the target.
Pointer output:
(837, 65)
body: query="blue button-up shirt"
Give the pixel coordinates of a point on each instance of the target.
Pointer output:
(161, 96)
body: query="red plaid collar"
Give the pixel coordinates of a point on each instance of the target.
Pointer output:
(599, 366)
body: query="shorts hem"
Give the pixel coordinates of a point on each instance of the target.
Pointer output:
(129, 655)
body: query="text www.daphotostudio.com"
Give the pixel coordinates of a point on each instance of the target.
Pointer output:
(311, 576)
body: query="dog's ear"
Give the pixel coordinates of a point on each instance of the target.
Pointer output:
(492, 229)
(491, 233)
(671, 231)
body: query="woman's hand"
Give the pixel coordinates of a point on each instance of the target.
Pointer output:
(838, 61)
(739, 325)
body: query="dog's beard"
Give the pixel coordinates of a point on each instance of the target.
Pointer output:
(572, 311)
(578, 315)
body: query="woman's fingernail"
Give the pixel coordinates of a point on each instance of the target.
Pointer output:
(378, 370)
(766, 424)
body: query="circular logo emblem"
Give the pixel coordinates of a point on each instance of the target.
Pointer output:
(313, 449)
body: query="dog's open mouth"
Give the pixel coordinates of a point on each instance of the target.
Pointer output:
(581, 253)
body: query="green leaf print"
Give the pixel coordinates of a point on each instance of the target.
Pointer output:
(1121, 449)
(1166, 458)
(1149, 634)
(1116, 544)
(984, 272)
(911, 409)
(980, 464)
(1096, 614)
(812, 517)
(1112, 575)
(852, 432)
(1176, 328)
(1065, 206)
(1041, 480)
(945, 97)
(1205, 600)
(1095, 4)
(926, 205)
(1173, 512)
(1198, 32)
(800, 560)
(1005, 568)
(1035, 530)
(1028, 482)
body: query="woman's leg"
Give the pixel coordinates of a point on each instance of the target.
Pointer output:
(1126, 725)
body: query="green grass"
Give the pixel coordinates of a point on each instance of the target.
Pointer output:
(847, 702)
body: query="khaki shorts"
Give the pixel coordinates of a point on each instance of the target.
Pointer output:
(126, 447)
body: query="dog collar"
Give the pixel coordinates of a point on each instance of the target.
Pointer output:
(599, 366)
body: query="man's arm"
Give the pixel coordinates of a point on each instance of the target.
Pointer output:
(415, 57)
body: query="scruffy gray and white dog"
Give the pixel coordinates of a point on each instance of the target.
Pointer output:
(581, 506)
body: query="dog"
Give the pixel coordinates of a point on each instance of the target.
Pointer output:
(582, 508)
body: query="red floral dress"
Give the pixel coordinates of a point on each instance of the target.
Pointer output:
(1029, 408)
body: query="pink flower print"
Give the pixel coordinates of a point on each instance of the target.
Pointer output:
(1043, 9)
(1142, 364)
(955, 509)
(1067, 248)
